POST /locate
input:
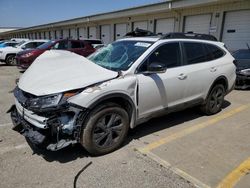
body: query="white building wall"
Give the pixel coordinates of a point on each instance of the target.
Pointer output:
(217, 12)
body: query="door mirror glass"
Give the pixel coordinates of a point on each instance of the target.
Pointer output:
(156, 67)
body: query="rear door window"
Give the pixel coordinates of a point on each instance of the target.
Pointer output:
(61, 45)
(75, 44)
(196, 53)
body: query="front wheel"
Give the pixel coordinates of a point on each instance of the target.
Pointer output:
(214, 100)
(11, 60)
(105, 130)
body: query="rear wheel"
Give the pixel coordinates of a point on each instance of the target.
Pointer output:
(11, 60)
(214, 100)
(105, 130)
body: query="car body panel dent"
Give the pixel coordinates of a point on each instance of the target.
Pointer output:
(123, 86)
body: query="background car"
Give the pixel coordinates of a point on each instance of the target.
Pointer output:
(9, 43)
(242, 58)
(8, 54)
(96, 43)
(81, 47)
(19, 39)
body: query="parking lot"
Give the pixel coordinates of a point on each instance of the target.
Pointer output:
(184, 149)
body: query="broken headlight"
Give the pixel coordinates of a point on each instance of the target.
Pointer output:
(49, 101)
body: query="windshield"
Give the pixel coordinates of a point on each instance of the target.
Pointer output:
(119, 55)
(46, 45)
(19, 44)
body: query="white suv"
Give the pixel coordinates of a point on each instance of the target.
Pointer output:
(64, 98)
(8, 54)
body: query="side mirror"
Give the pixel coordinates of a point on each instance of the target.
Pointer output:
(156, 67)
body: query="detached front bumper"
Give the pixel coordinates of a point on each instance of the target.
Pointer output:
(242, 82)
(26, 129)
(53, 133)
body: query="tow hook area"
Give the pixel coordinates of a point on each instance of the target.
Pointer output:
(51, 138)
(24, 128)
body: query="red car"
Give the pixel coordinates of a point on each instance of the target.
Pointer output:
(81, 47)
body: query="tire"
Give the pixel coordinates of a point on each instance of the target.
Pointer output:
(214, 100)
(10, 60)
(105, 130)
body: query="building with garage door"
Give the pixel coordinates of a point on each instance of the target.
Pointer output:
(228, 20)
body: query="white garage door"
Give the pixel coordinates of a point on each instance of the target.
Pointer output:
(81, 33)
(198, 23)
(120, 30)
(92, 32)
(236, 33)
(105, 34)
(47, 35)
(164, 26)
(58, 34)
(66, 33)
(73, 34)
(140, 25)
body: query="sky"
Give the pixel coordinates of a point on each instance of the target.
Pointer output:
(26, 13)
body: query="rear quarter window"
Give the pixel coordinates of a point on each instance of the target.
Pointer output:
(201, 52)
(215, 52)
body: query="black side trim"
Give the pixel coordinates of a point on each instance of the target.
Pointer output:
(113, 95)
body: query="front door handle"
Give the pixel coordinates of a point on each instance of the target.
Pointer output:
(182, 76)
(213, 69)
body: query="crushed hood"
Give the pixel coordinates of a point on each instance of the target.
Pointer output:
(57, 71)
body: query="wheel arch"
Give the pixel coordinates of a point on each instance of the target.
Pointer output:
(120, 99)
(220, 80)
(7, 55)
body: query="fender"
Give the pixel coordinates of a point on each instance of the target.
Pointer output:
(126, 98)
(217, 80)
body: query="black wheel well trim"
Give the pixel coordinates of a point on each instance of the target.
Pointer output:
(109, 98)
(216, 81)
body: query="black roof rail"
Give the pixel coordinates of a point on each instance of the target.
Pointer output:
(189, 36)
(140, 33)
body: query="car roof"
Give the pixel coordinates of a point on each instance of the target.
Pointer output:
(37, 40)
(145, 39)
(157, 38)
(10, 42)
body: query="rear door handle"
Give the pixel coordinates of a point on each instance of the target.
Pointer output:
(213, 69)
(182, 76)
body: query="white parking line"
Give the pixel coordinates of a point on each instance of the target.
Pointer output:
(4, 150)
(5, 124)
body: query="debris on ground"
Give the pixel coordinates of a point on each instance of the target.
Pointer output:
(79, 173)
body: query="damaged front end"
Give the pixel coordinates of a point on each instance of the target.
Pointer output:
(48, 122)
(243, 79)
